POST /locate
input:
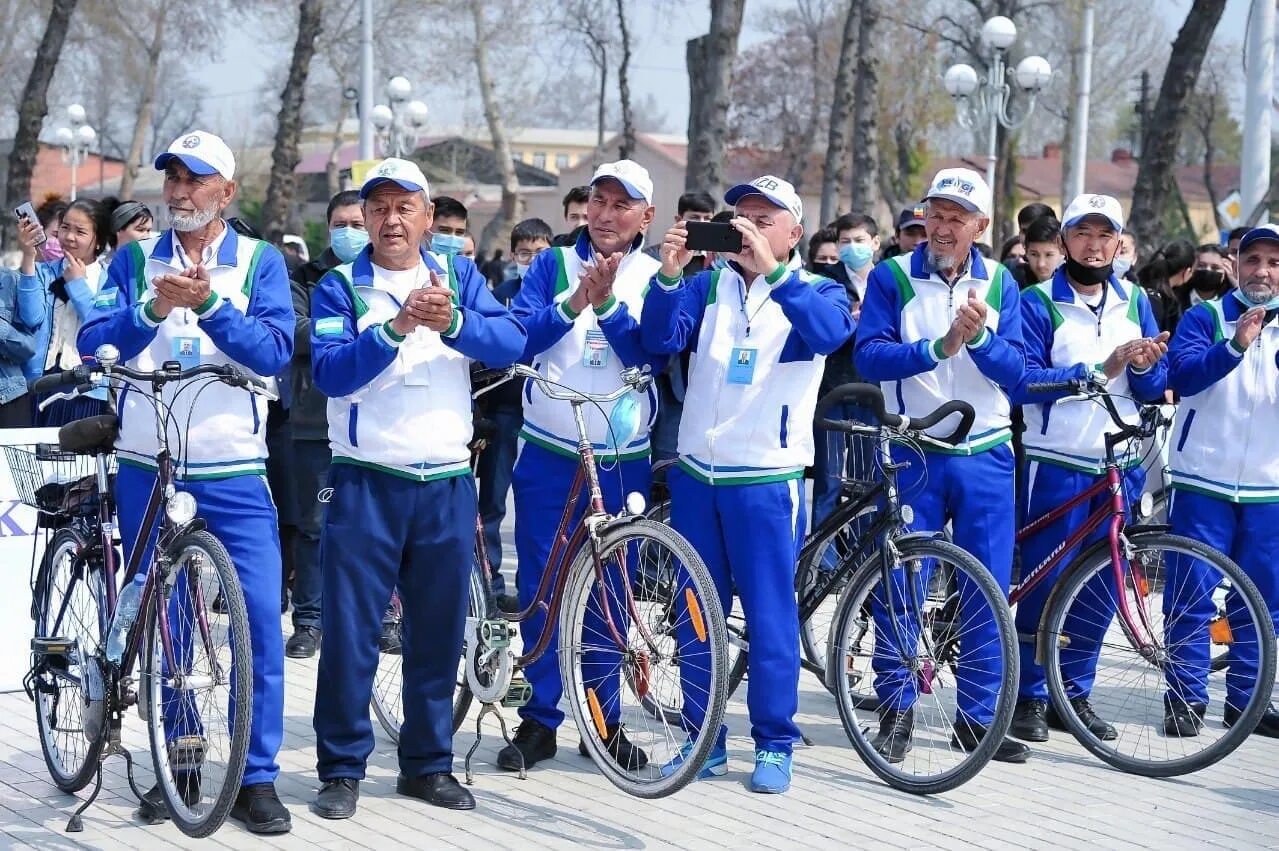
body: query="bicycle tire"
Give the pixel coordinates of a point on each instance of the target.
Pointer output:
(66, 547)
(388, 683)
(193, 818)
(654, 780)
(1080, 578)
(858, 595)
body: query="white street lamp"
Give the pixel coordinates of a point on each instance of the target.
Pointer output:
(76, 141)
(988, 98)
(399, 124)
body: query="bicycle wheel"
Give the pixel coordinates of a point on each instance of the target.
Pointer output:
(200, 666)
(388, 681)
(942, 620)
(614, 650)
(68, 684)
(1185, 597)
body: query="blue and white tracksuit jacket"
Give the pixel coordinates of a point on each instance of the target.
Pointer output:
(1065, 450)
(587, 352)
(744, 440)
(217, 432)
(1225, 478)
(908, 309)
(402, 513)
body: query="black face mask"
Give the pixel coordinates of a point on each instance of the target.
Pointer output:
(1087, 275)
(1208, 280)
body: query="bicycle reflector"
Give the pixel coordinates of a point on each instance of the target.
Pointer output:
(180, 508)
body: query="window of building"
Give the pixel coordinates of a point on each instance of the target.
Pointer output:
(561, 162)
(539, 159)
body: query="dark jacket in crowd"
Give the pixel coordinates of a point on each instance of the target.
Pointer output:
(507, 396)
(839, 363)
(308, 413)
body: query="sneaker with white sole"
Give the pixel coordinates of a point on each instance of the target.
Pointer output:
(716, 764)
(772, 772)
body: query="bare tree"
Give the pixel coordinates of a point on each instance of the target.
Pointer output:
(710, 63)
(835, 169)
(865, 111)
(284, 156)
(1154, 186)
(32, 109)
(500, 225)
(624, 86)
(1216, 136)
(586, 20)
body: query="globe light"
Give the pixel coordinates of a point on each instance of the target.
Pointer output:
(999, 32)
(381, 116)
(415, 113)
(960, 80)
(1033, 73)
(398, 89)
(86, 135)
(65, 136)
(76, 113)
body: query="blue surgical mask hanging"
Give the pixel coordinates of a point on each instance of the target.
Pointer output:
(623, 421)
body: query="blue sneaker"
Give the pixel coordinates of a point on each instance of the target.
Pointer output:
(716, 764)
(772, 773)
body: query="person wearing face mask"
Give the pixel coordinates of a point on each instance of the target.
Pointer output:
(1211, 278)
(308, 419)
(858, 245)
(1164, 274)
(1082, 321)
(1126, 258)
(448, 229)
(1224, 362)
(50, 215)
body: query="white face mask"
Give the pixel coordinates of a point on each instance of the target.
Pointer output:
(521, 269)
(1121, 265)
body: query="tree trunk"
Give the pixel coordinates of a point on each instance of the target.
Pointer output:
(497, 231)
(1153, 189)
(277, 209)
(866, 113)
(31, 112)
(841, 115)
(627, 146)
(710, 64)
(603, 101)
(1004, 192)
(146, 106)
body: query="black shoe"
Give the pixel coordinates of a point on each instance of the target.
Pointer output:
(508, 603)
(1183, 720)
(968, 736)
(389, 642)
(303, 643)
(1030, 722)
(628, 756)
(337, 798)
(1268, 726)
(896, 727)
(533, 741)
(259, 808)
(440, 790)
(152, 809)
(1098, 727)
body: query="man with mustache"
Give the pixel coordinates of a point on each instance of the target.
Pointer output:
(201, 293)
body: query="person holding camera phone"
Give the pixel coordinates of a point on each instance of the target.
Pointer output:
(760, 329)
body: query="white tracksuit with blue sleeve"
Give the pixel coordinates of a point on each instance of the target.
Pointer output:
(1065, 340)
(402, 513)
(587, 352)
(745, 438)
(218, 433)
(908, 309)
(1225, 480)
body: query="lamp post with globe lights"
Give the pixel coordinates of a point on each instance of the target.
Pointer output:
(399, 123)
(988, 98)
(75, 140)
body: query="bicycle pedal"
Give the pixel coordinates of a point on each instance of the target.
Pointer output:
(518, 694)
(54, 652)
(496, 634)
(186, 753)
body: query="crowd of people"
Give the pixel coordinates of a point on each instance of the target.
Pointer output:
(368, 453)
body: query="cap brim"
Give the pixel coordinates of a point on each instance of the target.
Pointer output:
(911, 223)
(630, 188)
(745, 190)
(966, 203)
(1070, 223)
(1259, 235)
(406, 185)
(195, 164)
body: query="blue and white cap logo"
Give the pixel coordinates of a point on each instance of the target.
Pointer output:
(1105, 206)
(203, 153)
(962, 186)
(774, 189)
(403, 173)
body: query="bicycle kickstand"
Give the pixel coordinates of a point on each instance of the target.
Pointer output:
(75, 824)
(489, 708)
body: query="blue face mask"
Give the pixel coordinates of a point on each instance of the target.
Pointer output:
(623, 421)
(856, 255)
(1273, 304)
(1120, 266)
(447, 244)
(348, 242)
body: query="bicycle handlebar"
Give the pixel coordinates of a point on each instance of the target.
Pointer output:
(84, 376)
(1095, 389)
(873, 398)
(633, 378)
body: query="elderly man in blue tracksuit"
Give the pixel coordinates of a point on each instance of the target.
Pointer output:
(580, 304)
(1225, 478)
(393, 335)
(942, 323)
(200, 293)
(1082, 322)
(759, 330)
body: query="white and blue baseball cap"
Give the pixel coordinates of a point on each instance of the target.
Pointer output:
(402, 173)
(633, 177)
(201, 152)
(1087, 205)
(771, 188)
(1258, 234)
(964, 187)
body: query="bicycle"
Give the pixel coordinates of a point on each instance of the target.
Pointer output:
(612, 638)
(190, 659)
(1116, 595)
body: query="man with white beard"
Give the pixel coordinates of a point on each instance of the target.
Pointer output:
(200, 293)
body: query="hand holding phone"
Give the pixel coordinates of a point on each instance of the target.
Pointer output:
(30, 232)
(720, 237)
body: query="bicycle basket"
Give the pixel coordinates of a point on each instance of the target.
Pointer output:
(43, 475)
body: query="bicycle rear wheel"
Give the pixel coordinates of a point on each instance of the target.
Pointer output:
(68, 683)
(614, 650)
(921, 640)
(388, 681)
(1186, 599)
(201, 705)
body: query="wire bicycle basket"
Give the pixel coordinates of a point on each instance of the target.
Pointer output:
(49, 479)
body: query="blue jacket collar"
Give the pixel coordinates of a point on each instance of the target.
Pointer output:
(584, 248)
(228, 251)
(362, 265)
(1064, 293)
(922, 269)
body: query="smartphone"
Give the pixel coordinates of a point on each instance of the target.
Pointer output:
(720, 237)
(26, 211)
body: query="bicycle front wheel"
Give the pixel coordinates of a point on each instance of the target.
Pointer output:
(939, 645)
(1186, 601)
(69, 688)
(615, 650)
(199, 664)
